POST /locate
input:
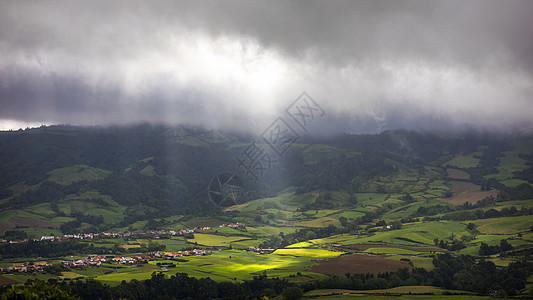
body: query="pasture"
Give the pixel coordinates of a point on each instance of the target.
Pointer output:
(390, 250)
(318, 222)
(506, 225)
(463, 161)
(212, 240)
(69, 175)
(415, 234)
(306, 252)
(472, 197)
(240, 265)
(457, 174)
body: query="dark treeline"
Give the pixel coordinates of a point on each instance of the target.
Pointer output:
(526, 174)
(485, 249)
(48, 249)
(178, 286)
(479, 214)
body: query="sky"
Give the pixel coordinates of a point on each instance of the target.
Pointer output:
(238, 65)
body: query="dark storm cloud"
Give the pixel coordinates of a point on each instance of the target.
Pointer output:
(374, 65)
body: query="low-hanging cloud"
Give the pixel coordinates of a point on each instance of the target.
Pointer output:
(372, 65)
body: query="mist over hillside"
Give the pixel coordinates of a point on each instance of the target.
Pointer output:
(169, 168)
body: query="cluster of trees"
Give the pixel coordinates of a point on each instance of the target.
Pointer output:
(13, 234)
(430, 210)
(486, 250)
(465, 273)
(526, 174)
(45, 249)
(47, 192)
(488, 162)
(491, 213)
(73, 226)
(452, 246)
(37, 290)
(368, 217)
(523, 191)
(48, 249)
(339, 172)
(490, 200)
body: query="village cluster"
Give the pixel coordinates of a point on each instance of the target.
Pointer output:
(104, 235)
(96, 261)
(154, 234)
(34, 268)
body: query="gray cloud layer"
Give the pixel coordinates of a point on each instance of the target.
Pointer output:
(372, 65)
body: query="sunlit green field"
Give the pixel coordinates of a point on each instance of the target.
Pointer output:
(213, 240)
(225, 265)
(127, 274)
(300, 245)
(305, 252)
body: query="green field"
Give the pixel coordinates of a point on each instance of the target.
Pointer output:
(319, 222)
(418, 261)
(506, 225)
(300, 245)
(6, 215)
(213, 240)
(127, 274)
(68, 175)
(417, 234)
(391, 251)
(230, 264)
(314, 253)
(509, 163)
(463, 161)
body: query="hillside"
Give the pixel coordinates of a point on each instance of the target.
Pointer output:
(388, 201)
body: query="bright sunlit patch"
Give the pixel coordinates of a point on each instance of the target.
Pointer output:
(233, 68)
